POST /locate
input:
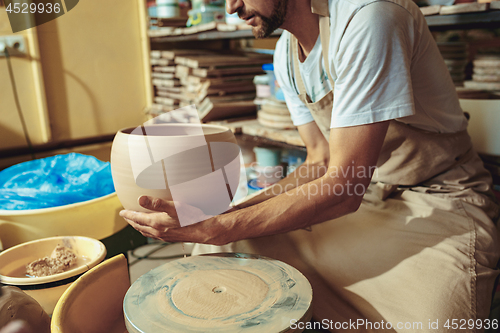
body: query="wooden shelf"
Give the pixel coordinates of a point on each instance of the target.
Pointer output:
(480, 20)
(251, 130)
(476, 20)
(264, 141)
(210, 35)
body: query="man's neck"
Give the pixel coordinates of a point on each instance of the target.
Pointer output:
(303, 24)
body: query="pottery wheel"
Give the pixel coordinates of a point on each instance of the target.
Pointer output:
(227, 292)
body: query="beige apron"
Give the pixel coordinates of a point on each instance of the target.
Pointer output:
(439, 162)
(420, 250)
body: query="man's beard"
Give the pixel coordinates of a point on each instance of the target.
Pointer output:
(269, 24)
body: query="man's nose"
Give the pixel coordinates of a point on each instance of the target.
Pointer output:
(232, 6)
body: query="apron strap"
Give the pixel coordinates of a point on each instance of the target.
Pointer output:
(324, 35)
(319, 7)
(295, 57)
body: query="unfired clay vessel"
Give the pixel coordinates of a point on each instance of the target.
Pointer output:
(15, 304)
(192, 163)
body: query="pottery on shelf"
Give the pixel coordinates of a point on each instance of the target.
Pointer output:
(193, 164)
(97, 218)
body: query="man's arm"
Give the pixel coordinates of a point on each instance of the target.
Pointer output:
(314, 166)
(353, 155)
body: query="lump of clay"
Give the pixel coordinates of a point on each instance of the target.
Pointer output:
(59, 261)
(16, 304)
(64, 256)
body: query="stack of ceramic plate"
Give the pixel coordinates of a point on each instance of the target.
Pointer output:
(455, 57)
(274, 114)
(486, 75)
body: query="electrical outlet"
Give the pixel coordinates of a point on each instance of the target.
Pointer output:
(15, 43)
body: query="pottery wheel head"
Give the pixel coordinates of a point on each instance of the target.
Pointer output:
(223, 293)
(211, 294)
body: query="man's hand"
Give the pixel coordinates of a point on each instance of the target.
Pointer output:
(335, 191)
(165, 225)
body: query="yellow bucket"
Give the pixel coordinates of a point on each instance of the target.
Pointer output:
(47, 290)
(97, 218)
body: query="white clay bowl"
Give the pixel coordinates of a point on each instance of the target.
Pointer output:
(181, 162)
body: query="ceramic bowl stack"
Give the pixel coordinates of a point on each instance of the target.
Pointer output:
(486, 73)
(274, 114)
(455, 57)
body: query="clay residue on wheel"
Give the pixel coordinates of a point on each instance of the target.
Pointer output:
(61, 259)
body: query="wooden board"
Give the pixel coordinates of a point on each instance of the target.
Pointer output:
(159, 108)
(168, 21)
(454, 56)
(166, 83)
(165, 69)
(227, 27)
(212, 26)
(232, 98)
(162, 75)
(161, 62)
(430, 10)
(253, 128)
(213, 82)
(464, 8)
(285, 118)
(171, 54)
(186, 99)
(452, 47)
(229, 90)
(210, 111)
(201, 28)
(486, 78)
(205, 72)
(486, 70)
(169, 89)
(221, 61)
(487, 63)
(464, 93)
(218, 293)
(275, 107)
(198, 96)
(495, 5)
(181, 98)
(284, 125)
(182, 71)
(492, 86)
(166, 101)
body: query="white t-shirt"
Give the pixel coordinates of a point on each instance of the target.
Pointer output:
(385, 65)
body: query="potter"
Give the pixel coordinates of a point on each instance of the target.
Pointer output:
(191, 164)
(366, 87)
